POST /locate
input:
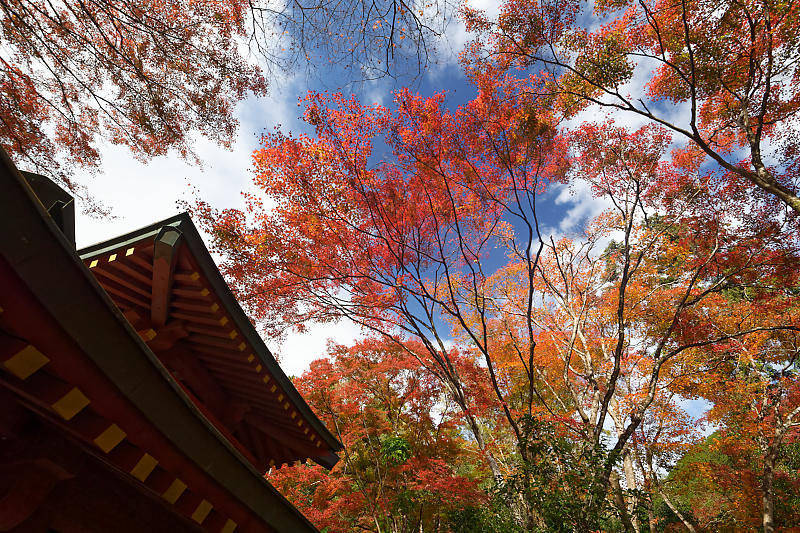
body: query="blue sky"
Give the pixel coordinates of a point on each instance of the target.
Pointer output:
(141, 193)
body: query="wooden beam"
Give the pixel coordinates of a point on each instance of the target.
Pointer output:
(218, 342)
(186, 366)
(167, 336)
(206, 309)
(282, 437)
(121, 279)
(33, 481)
(165, 256)
(117, 291)
(132, 270)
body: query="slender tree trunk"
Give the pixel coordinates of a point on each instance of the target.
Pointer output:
(651, 519)
(768, 492)
(630, 481)
(523, 513)
(476, 432)
(619, 501)
(675, 510)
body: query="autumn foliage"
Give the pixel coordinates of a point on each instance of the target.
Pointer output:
(564, 366)
(549, 381)
(404, 466)
(147, 75)
(153, 75)
(635, 371)
(721, 76)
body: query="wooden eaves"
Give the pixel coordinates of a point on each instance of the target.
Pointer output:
(164, 280)
(70, 355)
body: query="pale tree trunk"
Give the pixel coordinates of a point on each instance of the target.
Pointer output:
(627, 467)
(651, 519)
(675, 510)
(630, 481)
(770, 449)
(649, 486)
(768, 491)
(620, 502)
(523, 513)
(476, 433)
(654, 486)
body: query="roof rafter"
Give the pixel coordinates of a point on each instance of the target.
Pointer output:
(165, 257)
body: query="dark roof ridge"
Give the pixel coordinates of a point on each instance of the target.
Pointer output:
(33, 245)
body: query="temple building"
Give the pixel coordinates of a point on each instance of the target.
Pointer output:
(135, 394)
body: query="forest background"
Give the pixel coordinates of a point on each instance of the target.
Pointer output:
(628, 362)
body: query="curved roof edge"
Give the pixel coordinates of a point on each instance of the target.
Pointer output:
(194, 241)
(35, 248)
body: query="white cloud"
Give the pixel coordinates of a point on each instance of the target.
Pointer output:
(456, 36)
(141, 193)
(577, 206)
(299, 349)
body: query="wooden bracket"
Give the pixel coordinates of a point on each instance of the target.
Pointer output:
(165, 256)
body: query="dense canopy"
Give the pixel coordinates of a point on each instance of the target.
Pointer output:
(631, 368)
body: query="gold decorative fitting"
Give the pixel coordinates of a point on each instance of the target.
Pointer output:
(174, 491)
(26, 362)
(202, 511)
(144, 467)
(108, 439)
(71, 404)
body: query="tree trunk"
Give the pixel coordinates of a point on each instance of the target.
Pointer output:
(767, 493)
(675, 510)
(630, 481)
(476, 432)
(621, 504)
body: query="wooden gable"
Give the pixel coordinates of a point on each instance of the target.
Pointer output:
(165, 283)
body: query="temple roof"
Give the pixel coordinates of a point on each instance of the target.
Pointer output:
(72, 356)
(164, 280)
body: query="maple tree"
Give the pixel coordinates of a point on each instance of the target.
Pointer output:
(716, 484)
(750, 381)
(395, 247)
(152, 74)
(404, 466)
(664, 438)
(620, 326)
(753, 388)
(723, 76)
(420, 224)
(146, 75)
(402, 248)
